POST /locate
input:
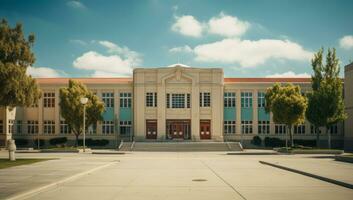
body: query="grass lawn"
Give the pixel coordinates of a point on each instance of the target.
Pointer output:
(6, 163)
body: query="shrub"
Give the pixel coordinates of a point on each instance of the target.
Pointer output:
(274, 142)
(256, 140)
(21, 142)
(58, 140)
(41, 142)
(307, 143)
(91, 142)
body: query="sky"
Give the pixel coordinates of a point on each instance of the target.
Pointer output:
(252, 38)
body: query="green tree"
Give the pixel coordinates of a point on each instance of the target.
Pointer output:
(17, 88)
(71, 108)
(325, 103)
(288, 106)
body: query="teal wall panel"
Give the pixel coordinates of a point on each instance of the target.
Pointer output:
(125, 114)
(229, 114)
(108, 115)
(262, 115)
(246, 113)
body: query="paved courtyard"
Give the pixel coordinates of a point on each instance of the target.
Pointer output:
(168, 175)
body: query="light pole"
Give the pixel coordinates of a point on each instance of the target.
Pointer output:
(84, 101)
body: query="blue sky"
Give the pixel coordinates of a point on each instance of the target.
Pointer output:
(91, 38)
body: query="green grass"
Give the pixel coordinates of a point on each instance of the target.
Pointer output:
(6, 163)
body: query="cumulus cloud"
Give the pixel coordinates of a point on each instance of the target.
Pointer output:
(123, 51)
(182, 49)
(75, 4)
(187, 25)
(346, 42)
(79, 42)
(250, 53)
(289, 74)
(227, 26)
(43, 72)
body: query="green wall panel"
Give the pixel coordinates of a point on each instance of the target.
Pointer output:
(125, 114)
(262, 115)
(229, 114)
(246, 113)
(108, 115)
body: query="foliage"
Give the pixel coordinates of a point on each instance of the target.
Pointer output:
(256, 140)
(92, 142)
(5, 163)
(287, 104)
(305, 143)
(57, 140)
(71, 108)
(273, 142)
(41, 142)
(325, 103)
(20, 142)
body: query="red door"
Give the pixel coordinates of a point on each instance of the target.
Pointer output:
(205, 130)
(177, 130)
(151, 129)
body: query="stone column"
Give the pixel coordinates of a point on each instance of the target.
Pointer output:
(255, 113)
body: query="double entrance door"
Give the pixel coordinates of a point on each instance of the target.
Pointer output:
(151, 129)
(178, 129)
(205, 129)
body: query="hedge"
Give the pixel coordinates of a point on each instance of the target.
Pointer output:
(91, 142)
(274, 142)
(256, 140)
(307, 143)
(41, 142)
(58, 140)
(21, 142)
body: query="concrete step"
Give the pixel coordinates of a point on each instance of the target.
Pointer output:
(126, 146)
(186, 146)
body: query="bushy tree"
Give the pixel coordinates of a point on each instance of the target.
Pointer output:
(325, 103)
(288, 106)
(71, 108)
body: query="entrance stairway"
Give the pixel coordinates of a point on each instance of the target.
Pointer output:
(185, 146)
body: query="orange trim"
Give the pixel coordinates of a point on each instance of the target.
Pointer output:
(267, 80)
(84, 80)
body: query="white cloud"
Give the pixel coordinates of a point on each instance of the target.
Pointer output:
(346, 42)
(227, 26)
(75, 4)
(182, 49)
(250, 53)
(124, 51)
(79, 42)
(41, 72)
(289, 74)
(188, 25)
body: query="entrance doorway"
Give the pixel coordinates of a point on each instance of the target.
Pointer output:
(205, 129)
(151, 129)
(178, 129)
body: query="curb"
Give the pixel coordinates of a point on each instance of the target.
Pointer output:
(57, 183)
(110, 153)
(254, 153)
(322, 178)
(343, 158)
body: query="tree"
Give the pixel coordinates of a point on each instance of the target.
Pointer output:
(325, 103)
(288, 106)
(17, 88)
(71, 108)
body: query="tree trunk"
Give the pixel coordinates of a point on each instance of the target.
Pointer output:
(76, 142)
(317, 137)
(328, 138)
(291, 136)
(287, 138)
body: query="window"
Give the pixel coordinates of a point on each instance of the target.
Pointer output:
(229, 99)
(1, 127)
(299, 129)
(125, 128)
(229, 127)
(205, 99)
(108, 99)
(125, 100)
(264, 127)
(108, 127)
(246, 127)
(313, 131)
(64, 127)
(280, 129)
(188, 100)
(333, 129)
(49, 99)
(32, 127)
(261, 102)
(11, 127)
(49, 127)
(92, 129)
(178, 100)
(151, 99)
(246, 99)
(19, 127)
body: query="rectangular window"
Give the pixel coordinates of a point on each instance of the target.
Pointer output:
(333, 129)
(229, 127)
(11, 126)
(49, 99)
(188, 100)
(229, 99)
(49, 127)
(151, 99)
(92, 129)
(108, 99)
(280, 129)
(261, 101)
(125, 100)
(64, 127)
(19, 127)
(1, 127)
(168, 100)
(108, 127)
(125, 128)
(32, 127)
(299, 129)
(264, 127)
(246, 127)
(205, 99)
(246, 99)
(178, 100)
(313, 131)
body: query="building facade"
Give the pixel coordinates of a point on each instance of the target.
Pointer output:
(348, 101)
(165, 104)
